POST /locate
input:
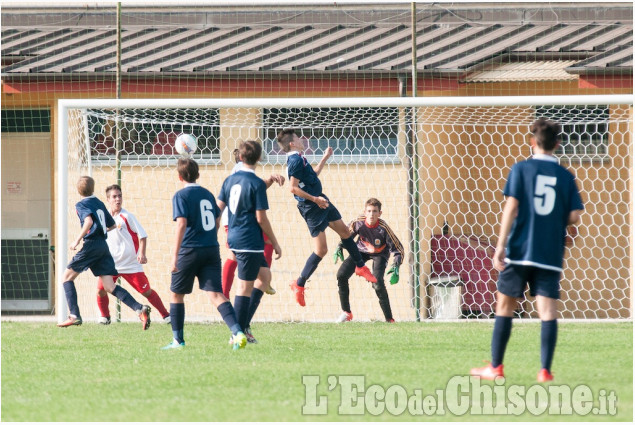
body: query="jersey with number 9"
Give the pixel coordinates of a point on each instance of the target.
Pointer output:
(102, 220)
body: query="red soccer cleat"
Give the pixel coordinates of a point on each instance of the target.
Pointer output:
(366, 274)
(299, 292)
(390, 321)
(346, 316)
(544, 376)
(488, 372)
(144, 315)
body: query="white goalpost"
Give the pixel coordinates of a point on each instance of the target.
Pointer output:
(437, 164)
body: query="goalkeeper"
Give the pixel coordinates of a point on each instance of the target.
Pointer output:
(376, 241)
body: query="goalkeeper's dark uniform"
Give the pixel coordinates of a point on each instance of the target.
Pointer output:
(376, 243)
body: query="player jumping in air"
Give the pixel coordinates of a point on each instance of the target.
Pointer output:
(127, 244)
(94, 255)
(197, 254)
(316, 209)
(245, 196)
(542, 199)
(376, 241)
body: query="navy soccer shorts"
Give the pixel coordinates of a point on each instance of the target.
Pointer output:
(318, 219)
(514, 279)
(249, 264)
(95, 256)
(204, 263)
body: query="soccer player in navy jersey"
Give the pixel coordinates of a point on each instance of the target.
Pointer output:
(197, 254)
(94, 255)
(542, 200)
(127, 244)
(316, 209)
(245, 196)
(376, 242)
(230, 264)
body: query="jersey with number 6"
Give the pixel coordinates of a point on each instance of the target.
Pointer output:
(546, 194)
(102, 220)
(198, 206)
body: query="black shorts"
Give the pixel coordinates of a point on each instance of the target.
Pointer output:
(514, 279)
(95, 256)
(249, 264)
(203, 263)
(318, 219)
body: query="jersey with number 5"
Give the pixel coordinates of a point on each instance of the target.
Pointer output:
(198, 206)
(102, 220)
(546, 194)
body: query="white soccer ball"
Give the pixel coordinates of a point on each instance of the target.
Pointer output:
(185, 144)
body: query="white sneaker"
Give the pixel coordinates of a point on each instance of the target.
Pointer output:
(104, 321)
(167, 319)
(270, 291)
(345, 317)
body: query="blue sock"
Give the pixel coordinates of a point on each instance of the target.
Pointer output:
(311, 264)
(256, 296)
(500, 336)
(71, 298)
(241, 305)
(226, 310)
(126, 298)
(177, 319)
(548, 337)
(353, 251)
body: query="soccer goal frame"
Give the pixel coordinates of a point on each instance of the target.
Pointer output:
(419, 279)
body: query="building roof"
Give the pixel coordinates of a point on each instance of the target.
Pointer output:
(456, 47)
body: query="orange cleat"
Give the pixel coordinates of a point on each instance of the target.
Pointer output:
(299, 292)
(544, 376)
(144, 316)
(488, 372)
(366, 274)
(71, 321)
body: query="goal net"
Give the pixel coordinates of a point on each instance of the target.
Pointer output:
(438, 166)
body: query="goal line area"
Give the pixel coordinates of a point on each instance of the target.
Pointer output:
(437, 164)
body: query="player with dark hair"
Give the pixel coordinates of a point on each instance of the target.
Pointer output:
(94, 255)
(316, 209)
(127, 245)
(197, 254)
(376, 242)
(230, 264)
(542, 200)
(245, 196)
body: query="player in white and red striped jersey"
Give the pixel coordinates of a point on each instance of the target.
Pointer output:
(127, 245)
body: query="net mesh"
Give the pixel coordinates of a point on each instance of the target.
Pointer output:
(438, 171)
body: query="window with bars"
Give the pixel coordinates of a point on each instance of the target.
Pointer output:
(585, 131)
(357, 135)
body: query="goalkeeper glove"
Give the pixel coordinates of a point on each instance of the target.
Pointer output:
(339, 254)
(394, 270)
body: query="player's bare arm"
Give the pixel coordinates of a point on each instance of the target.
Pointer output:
(88, 223)
(322, 163)
(274, 178)
(295, 189)
(574, 217)
(141, 255)
(181, 225)
(221, 206)
(510, 211)
(265, 225)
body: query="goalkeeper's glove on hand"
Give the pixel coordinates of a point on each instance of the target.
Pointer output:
(394, 270)
(339, 254)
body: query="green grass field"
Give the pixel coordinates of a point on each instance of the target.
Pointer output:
(118, 373)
